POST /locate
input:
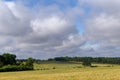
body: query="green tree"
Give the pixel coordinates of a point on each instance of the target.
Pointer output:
(9, 59)
(29, 62)
(1, 61)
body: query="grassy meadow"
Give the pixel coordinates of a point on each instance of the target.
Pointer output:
(65, 71)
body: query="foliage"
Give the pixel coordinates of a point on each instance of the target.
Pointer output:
(1, 61)
(61, 59)
(29, 62)
(9, 59)
(108, 60)
(15, 68)
(8, 63)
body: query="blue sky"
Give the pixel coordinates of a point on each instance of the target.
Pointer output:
(50, 28)
(61, 3)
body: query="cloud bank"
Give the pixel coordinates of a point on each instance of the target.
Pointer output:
(44, 31)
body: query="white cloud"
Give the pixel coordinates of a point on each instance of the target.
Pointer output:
(47, 31)
(72, 41)
(50, 25)
(102, 25)
(10, 24)
(38, 30)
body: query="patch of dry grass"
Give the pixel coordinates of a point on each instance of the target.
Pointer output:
(97, 73)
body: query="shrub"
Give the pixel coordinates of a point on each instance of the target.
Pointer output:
(15, 68)
(29, 62)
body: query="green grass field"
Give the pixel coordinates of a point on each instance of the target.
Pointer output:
(65, 71)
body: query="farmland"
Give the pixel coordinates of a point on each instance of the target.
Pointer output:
(65, 71)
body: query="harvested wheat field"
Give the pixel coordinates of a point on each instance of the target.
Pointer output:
(66, 72)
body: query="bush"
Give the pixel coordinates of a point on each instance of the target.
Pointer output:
(15, 68)
(29, 62)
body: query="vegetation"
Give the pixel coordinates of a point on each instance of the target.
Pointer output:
(29, 62)
(7, 59)
(105, 60)
(59, 68)
(8, 63)
(65, 71)
(15, 68)
(1, 61)
(86, 63)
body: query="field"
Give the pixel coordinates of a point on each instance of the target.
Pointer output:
(65, 71)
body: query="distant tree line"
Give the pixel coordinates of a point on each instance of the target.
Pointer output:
(8, 62)
(106, 60)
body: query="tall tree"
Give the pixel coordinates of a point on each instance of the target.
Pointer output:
(1, 61)
(9, 59)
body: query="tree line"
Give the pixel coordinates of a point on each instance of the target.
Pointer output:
(105, 60)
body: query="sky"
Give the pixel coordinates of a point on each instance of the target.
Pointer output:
(45, 29)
